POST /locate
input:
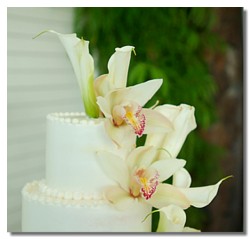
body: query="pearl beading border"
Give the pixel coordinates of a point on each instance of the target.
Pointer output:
(75, 118)
(39, 191)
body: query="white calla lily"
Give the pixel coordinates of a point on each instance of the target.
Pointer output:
(83, 65)
(173, 219)
(198, 196)
(182, 178)
(202, 196)
(183, 120)
(118, 72)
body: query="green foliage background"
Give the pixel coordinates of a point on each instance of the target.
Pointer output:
(170, 43)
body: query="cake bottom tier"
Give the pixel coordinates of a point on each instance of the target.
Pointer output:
(46, 211)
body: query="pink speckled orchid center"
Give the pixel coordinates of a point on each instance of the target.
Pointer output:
(132, 115)
(147, 181)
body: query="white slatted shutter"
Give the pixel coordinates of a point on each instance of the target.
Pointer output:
(40, 81)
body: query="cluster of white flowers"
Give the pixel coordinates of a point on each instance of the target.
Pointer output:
(140, 172)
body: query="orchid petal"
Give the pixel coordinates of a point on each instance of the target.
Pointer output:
(167, 167)
(182, 179)
(183, 121)
(140, 93)
(141, 157)
(172, 219)
(167, 194)
(118, 113)
(156, 122)
(114, 167)
(201, 196)
(121, 199)
(123, 135)
(104, 106)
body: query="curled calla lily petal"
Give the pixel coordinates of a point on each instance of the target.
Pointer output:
(118, 71)
(183, 120)
(182, 178)
(167, 194)
(118, 66)
(83, 65)
(172, 219)
(201, 196)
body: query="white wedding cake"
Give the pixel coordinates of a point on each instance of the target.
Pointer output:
(97, 179)
(71, 197)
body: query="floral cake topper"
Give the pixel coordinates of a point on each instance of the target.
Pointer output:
(141, 172)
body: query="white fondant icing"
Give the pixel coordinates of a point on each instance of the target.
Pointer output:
(43, 213)
(71, 160)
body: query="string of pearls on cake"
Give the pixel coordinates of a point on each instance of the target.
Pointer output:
(75, 118)
(38, 190)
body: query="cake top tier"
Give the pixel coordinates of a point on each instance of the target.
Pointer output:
(72, 143)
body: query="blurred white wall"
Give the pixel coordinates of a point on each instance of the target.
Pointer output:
(40, 81)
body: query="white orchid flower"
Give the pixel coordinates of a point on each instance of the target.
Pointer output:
(124, 110)
(140, 177)
(183, 121)
(118, 72)
(141, 174)
(83, 65)
(173, 219)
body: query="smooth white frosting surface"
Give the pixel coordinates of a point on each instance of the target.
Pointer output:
(45, 212)
(72, 142)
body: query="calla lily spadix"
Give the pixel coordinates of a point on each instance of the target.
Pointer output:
(183, 121)
(124, 109)
(118, 72)
(83, 66)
